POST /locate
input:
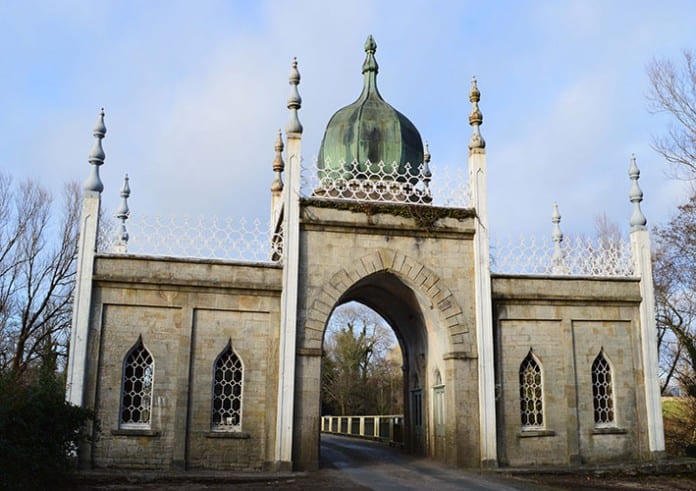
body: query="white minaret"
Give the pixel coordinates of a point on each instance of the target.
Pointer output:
(291, 265)
(86, 249)
(642, 260)
(478, 181)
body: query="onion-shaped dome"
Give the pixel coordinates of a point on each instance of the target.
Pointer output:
(370, 130)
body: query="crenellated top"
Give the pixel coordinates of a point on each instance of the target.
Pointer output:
(475, 118)
(96, 156)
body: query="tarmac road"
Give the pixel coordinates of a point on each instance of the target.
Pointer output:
(379, 467)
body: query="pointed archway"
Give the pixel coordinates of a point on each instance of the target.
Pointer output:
(430, 326)
(392, 299)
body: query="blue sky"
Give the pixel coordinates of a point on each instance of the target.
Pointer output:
(195, 92)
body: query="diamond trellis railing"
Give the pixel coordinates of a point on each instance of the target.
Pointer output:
(581, 256)
(390, 183)
(206, 237)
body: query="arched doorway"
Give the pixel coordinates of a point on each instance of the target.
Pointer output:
(434, 333)
(398, 305)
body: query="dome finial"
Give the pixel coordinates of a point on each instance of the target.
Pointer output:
(475, 118)
(370, 44)
(370, 64)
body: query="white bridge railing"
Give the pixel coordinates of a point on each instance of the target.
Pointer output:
(386, 428)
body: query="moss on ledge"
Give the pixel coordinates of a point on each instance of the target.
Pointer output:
(424, 216)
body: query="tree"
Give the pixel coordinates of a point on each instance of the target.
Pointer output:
(673, 91)
(37, 273)
(674, 262)
(360, 372)
(675, 292)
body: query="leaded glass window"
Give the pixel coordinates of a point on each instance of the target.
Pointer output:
(228, 378)
(602, 391)
(136, 387)
(531, 394)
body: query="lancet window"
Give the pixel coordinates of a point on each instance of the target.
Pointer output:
(602, 391)
(228, 380)
(531, 393)
(136, 387)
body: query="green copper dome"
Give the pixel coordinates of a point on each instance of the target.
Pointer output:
(370, 130)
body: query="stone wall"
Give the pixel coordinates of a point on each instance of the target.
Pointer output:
(566, 322)
(186, 312)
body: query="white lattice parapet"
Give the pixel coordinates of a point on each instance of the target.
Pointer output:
(205, 237)
(384, 182)
(581, 256)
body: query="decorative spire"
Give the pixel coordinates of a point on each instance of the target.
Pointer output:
(294, 101)
(96, 156)
(557, 262)
(427, 175)
(278, 165)
(122, 215)
(638, 220)
(370, 63)
(475, 118)
(370, 69)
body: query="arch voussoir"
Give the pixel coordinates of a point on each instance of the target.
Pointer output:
(409, 269)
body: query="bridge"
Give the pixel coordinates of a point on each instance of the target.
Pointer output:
(385, 428)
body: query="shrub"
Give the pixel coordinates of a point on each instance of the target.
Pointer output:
(39, 432)
(680, 425)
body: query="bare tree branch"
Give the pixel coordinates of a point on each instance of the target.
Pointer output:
(673, 91)
(37, 272)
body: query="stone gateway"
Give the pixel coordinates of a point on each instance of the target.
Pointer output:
(194, 361)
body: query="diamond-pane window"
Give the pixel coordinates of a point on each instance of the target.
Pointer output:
(228, 378)
(602, 391)
(136, 387)
(531, 394)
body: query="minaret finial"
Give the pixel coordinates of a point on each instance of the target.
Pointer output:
(370, 68)
(370, 63)
(278, 165)
(638, 220)
(557, 263)
(122, 215)
(294, 126)
(96, 156)
(427, 175)
(475, 118)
